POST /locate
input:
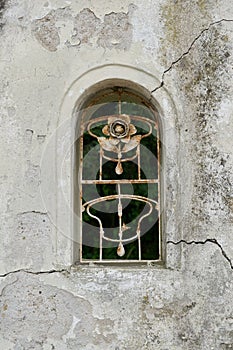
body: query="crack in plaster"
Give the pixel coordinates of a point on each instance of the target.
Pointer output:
(208, 240)
(32, 211)
(187, 52)
(33, 272)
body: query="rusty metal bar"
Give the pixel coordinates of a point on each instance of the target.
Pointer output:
(122, 159)
(80, 185)
(139, 248)
(123, 181)
(139, 162)
(122, 240)
(101, 243)
(101, 163)
(125, 261)
(115, 196)
(149, 122)
(159, 194)
(89, 123)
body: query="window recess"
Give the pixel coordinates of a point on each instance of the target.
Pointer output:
(119, 179)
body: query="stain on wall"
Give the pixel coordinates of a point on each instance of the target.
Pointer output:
(115, 31)
(46, 32)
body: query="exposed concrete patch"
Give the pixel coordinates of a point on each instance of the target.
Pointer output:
(32, 312)
(116, 31)
(168, 316)
(86, 26)
(46, 33)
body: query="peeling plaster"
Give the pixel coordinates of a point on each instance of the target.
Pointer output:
(32, 302)
(115, 31)
(46, 32)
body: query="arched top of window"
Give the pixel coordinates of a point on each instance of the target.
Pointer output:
(118, 162)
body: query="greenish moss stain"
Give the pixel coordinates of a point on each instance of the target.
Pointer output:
(203, 77)
(145, 299)
(179, 18)
(171, 17)
(202, 5)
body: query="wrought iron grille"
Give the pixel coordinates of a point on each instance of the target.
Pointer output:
(119, 180)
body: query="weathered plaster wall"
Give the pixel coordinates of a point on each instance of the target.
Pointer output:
(45, 303)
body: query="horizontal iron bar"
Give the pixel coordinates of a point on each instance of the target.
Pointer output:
(116, 261)
(123, 181)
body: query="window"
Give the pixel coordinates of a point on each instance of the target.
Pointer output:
(118, 153)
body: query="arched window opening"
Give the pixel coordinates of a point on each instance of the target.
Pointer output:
(119, 179)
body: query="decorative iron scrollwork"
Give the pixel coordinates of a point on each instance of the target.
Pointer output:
(120, 138)
(122, 226)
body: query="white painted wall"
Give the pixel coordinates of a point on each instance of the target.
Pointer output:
(52, 54)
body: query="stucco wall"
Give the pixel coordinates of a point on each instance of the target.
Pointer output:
(52, 52)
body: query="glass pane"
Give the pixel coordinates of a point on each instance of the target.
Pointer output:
(120, 218)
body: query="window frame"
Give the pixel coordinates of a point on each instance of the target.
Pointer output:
(140, 100)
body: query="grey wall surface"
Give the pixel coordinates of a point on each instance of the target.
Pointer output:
(52, 53)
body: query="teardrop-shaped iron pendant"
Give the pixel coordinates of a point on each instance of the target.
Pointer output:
(120, 250)
(119, 168)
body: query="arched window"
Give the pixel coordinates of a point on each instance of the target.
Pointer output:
(118, 175)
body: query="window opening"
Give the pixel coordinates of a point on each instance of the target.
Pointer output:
(119, 179)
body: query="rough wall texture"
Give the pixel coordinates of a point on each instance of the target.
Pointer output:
(45, 47)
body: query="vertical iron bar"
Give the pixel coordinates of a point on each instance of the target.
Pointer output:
(101, 244)
(81, 189)
(139, 246)
(120, 211)
(139, 162)
(101, 162)
(158, 162)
